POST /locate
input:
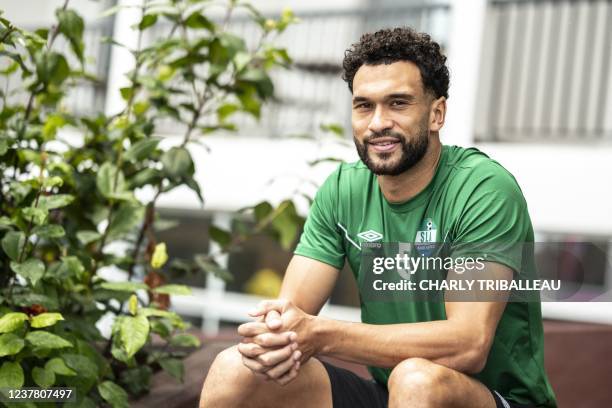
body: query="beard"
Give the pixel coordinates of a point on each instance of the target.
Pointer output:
(411, 152)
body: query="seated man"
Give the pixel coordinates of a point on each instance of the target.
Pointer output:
(407, 187)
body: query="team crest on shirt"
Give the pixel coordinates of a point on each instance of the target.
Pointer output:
(428, 232)
(426, 237)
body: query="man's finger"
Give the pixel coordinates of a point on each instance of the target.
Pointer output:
(278, 370)
(254, 365)
(274, 339)
(252, 329)
(273, 320)
(272, 358)
(266, 306)
(251, 350)
(290, 376)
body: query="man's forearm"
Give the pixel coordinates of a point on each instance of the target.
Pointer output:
(444, 342)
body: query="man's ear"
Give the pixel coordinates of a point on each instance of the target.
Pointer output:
(437, 114)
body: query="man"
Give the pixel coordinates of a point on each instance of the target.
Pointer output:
(483, 354)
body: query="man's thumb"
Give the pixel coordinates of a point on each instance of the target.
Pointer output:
(273, 320)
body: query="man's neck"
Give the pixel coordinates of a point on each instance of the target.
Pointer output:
(403, 187)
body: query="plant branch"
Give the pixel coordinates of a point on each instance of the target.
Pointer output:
(55, 32)
(148, 223)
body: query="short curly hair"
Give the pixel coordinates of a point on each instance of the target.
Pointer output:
(390, 45)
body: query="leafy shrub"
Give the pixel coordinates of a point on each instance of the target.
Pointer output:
(68, 202)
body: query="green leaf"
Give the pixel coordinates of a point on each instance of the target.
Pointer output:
(111, 182)
(134, 332)
(232, 43)
(133, 304)
(261, 80)
(197, 20)
(70, 267)
(44, 340)
(262, 210)
(173, 366)
(71, 26)
(52, 202)
(161, 327)
(5, 223)
(13, 243)
(52, 68)
(177, 163)
(11, 375)
(58, 366)
(173, 289)
(10, 344)
(12, 321)
(125, 220)
(53, 122)
(185, 340)
(43, 377)
(147, 21)
(247, 94)
(82, 365)
(49, 231)
(87, 237)
(3, 146)
(116, 396)
(19, 191)
(226, 110)
(35, 215)
(144, 177)
(220, 236)
(126, 93)
(241, 60)
(149, 311)
(124, 286)
(142, 149)
(334, 128)
(287, 223)
(26, 299)
(137, 380)
(194, 186)
(209, 266)
(56, 181)
(45, 320)
(32, 269)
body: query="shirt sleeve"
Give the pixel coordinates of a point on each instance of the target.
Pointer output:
(494, 223)
(321, 238)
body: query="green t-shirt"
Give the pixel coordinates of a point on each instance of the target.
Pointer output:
(471, 198)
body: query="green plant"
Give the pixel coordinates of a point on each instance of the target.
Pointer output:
(66, 202)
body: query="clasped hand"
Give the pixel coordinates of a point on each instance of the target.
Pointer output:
(278, 342)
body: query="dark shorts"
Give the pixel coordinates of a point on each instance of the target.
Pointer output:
(352, 391)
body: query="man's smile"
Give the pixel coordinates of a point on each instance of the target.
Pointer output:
(384, 144)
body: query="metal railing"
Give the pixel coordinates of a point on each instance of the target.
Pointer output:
(545, 71)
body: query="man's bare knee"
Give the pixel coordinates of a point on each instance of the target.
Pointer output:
(227, 381)
(230, 383)
(419, 381)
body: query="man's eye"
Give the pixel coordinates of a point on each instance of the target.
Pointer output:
(398, 103)
(363, 106)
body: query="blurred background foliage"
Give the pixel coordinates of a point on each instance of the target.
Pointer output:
(70, 206)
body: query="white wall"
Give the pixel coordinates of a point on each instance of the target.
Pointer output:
(567, 187)
(34, 13)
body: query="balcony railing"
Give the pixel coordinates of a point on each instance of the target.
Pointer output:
(545, 72)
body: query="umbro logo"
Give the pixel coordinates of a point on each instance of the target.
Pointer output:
(370, 235)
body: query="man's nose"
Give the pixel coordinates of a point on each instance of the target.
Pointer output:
(380, 122)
